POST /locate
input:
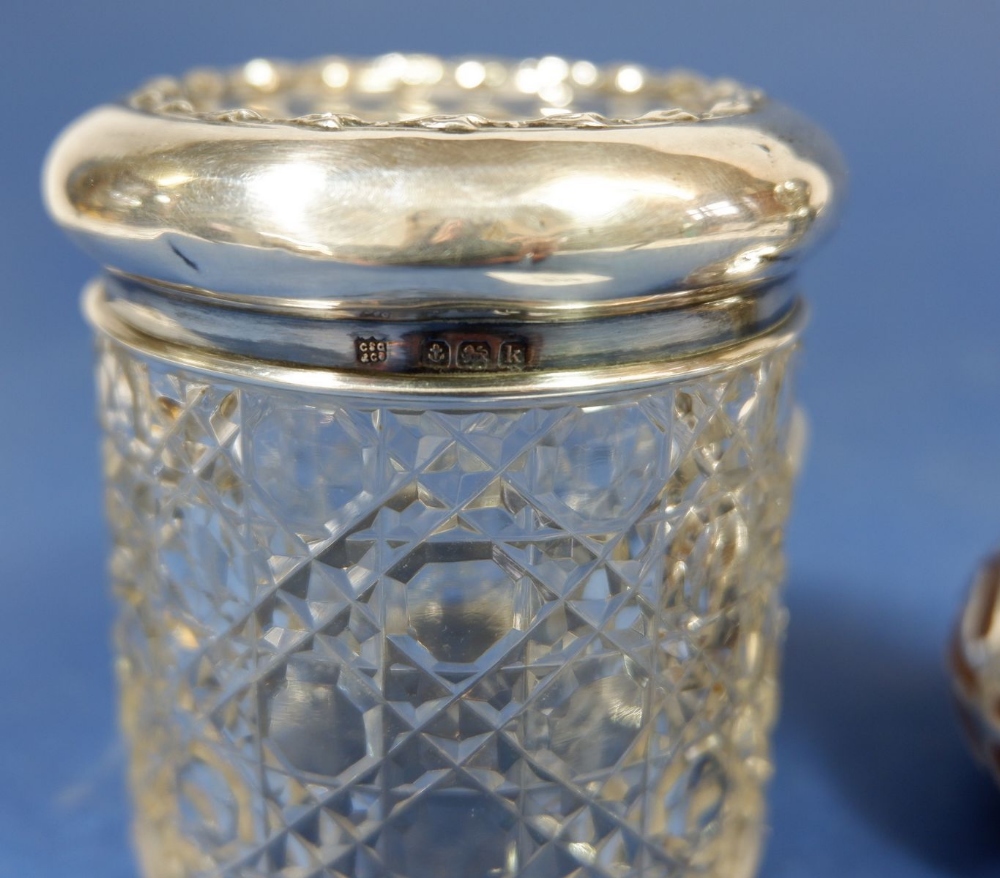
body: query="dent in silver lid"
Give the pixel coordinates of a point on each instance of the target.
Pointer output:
(408, 179)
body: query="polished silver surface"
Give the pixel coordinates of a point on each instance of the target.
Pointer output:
(464, 388)
(432, 340)
(559, 186)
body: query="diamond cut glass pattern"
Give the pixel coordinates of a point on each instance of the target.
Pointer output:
(403, 638)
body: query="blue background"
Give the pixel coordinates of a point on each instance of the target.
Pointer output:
(901, 376)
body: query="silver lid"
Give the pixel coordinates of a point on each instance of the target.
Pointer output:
(409, 181)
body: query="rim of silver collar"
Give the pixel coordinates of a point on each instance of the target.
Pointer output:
(434, 343)
(545, 184)
(460, 387)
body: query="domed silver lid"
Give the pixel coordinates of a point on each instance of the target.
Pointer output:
(545, 185)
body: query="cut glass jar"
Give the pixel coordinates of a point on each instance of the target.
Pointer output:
(448, 424)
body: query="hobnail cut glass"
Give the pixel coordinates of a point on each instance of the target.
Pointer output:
(443, 637)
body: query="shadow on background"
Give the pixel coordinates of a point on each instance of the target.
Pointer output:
(881, 716)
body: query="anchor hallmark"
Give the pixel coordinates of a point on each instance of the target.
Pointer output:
(456, 353)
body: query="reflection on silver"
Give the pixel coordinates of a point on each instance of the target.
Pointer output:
(424, 338)
(704, 183)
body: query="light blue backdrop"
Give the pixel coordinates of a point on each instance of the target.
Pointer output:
(901, 376)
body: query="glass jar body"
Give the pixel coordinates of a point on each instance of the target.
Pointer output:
(447, 637)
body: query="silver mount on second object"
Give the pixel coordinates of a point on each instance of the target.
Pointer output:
(974, 660)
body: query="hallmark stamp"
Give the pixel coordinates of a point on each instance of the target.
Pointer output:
(474, 355)
(513, 355)
(371, 351)
(437, 354)
(467, 352)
